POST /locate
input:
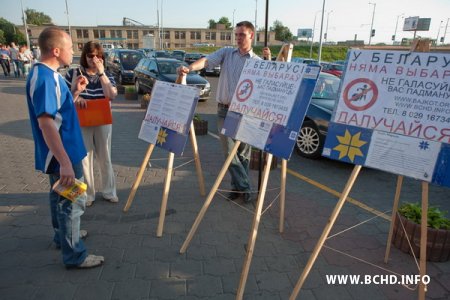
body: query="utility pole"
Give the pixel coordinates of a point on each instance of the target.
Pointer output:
(26, 27)
(312, 36)
(321, 32)
(68, 22)
(373, 17)
(395, 32)
(256, 28)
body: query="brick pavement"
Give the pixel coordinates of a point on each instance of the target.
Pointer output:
(141, 266)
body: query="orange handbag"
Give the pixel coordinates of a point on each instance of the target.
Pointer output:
(97, 112)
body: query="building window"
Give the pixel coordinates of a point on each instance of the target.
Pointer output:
(180, 35)
(210, 36)
(225, 36)
(195, 35)
(132, 34)
(145, 32)
(116, 33)
(99, 33)
(85, 33)
(79, 34)
(80, 46)
(166, 35)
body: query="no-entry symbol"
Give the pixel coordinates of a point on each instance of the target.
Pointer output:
(360, 94)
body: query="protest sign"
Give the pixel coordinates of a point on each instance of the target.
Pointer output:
(393, 114)
(269, 104)
(169, 116)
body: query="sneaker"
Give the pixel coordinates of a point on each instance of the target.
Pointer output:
(91, 261)
(247, 197)
(83, 234)
(233, 196)
(89, 203)
(112, 200)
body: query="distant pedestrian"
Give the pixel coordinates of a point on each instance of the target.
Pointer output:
(232, 62)
(5, 60)
(14, 50)
(58, 142)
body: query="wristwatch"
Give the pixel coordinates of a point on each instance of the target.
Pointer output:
(100, 75)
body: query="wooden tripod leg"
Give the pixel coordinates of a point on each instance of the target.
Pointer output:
(326, 231)
(423, 240)
(198, 165)
(282, 194)
(162, 211)
(209, 198)
(254, 230)
(393, 216)
(139, 177)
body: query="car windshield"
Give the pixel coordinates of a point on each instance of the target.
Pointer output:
(327, 87)
(129, 60)
(169, 67)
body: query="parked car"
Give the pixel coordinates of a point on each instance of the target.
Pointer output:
(151, 69)
(178, 54)
(189, 58)
(160, 53)
(335, 69)
(304, 60)
(146, 51)
(121, 63)
(311, 137)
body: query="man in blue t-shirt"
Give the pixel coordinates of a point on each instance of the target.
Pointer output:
(59, 146)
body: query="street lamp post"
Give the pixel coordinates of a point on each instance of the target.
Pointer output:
(312, 36)
(256, 30)
(445, 32)
(373, 17)
(326, 31)
(321, 32)
(395, 32)
(68, 21)
(25, 25)
(232, 26)
(439, 30)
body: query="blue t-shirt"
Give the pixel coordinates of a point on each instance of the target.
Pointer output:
(47, 93)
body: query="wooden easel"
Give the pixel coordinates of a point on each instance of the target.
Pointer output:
(169, 171)
(418, 46)
(285, 53)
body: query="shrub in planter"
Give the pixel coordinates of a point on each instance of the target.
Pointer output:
(200, 125)
(130, 93)
(255, 157)
(145, 100)
(438, 235)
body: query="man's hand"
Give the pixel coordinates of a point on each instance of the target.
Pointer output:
(182, 70)
(81, 83)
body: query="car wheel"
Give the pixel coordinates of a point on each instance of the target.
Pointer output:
(309, 141)
(137, 86)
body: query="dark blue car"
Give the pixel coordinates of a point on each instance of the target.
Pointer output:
(311, 136)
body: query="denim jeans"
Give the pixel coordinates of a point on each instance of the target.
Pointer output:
(66, 222)
(240, 163)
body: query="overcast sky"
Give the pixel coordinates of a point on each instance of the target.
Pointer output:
(345, 17)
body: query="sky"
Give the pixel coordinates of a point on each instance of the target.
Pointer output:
(345, 18)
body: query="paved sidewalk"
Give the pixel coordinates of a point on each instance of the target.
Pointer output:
(139, 265)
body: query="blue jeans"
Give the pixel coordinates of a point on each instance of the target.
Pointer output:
(66, 222)
(240, 163)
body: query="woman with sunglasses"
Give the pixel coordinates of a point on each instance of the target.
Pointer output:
(97, 139)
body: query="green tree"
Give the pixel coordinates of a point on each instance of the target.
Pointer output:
(224, 20)
(212, 24)
(11, 33)
(37, 17)
(2, 37)
(282, 33)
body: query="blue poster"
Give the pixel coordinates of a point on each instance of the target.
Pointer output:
(392, 114)
(269, 105)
